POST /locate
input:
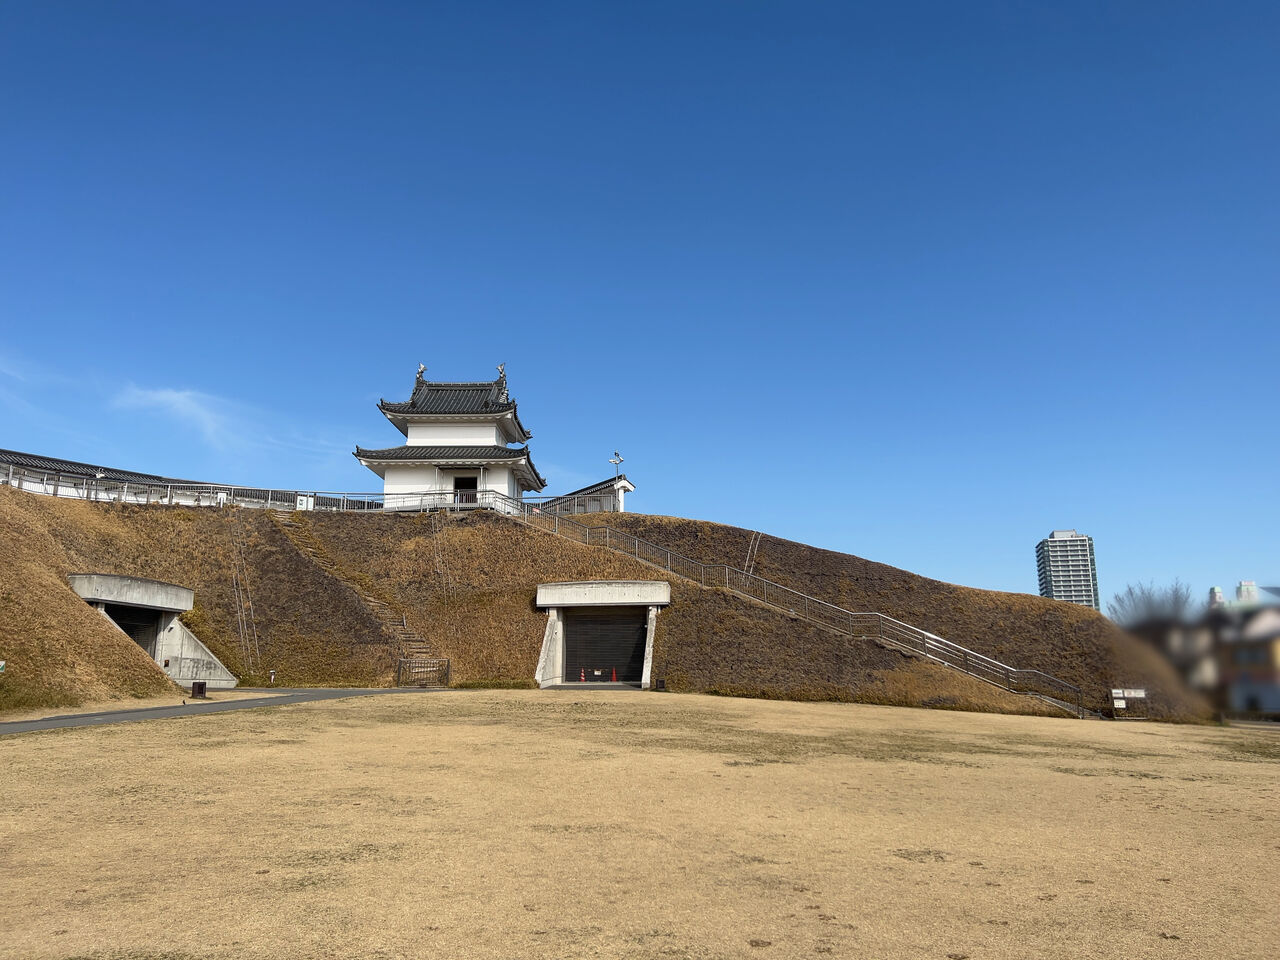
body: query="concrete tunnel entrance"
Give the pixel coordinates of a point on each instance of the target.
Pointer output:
(147, 612)
(142, 625)
(599, 631)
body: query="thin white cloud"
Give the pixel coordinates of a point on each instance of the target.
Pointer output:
(10, 369)
(226, 425)
(211, 415)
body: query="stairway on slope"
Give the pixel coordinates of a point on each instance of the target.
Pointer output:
(889, 633)
(411, 644)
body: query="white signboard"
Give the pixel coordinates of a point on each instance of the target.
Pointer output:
(1118, 704)
(1117, 693)
(1137, 694)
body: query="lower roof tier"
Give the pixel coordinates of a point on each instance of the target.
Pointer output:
(454, 456)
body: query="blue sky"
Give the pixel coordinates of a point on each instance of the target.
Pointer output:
(916, 281)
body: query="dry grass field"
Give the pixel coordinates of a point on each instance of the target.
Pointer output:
(566, 824)
(467, 585)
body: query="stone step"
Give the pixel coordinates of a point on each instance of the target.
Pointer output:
(411, 644)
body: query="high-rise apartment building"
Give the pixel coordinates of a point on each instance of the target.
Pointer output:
(1065, 562)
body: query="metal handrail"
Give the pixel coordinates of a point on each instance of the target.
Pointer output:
(529, 510)
(885, 628)
(84, 486)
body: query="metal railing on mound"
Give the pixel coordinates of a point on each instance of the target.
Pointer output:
(101, 489)
(866, 625)
(552, 515)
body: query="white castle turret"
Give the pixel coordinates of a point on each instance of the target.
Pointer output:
(457, 447)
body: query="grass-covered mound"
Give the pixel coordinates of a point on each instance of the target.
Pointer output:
(1069, 641)
(312, 630)
(59, 650)
(467, 584)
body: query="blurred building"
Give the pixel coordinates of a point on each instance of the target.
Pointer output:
(1249, 658)
(1066, 567)
(1231, 653)
(1192, 649)
(1246, 596)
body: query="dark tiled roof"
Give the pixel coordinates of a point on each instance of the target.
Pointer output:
(31, 461)
(443, 453)
(435, 398)
(601, 487)
(431, 397)
(409, 454)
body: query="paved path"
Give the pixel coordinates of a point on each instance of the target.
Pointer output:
(194, 707)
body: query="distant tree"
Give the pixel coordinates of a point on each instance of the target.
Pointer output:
(1144, 602)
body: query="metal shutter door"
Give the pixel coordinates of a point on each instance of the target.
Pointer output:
(600, 640)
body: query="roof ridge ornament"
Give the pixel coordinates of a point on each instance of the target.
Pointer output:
(422, 368)
(502, 384)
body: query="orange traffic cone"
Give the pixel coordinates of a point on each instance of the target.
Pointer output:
(582, 675)
(615, 674)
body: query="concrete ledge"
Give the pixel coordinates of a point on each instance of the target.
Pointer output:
(132, 591)
(605, 593)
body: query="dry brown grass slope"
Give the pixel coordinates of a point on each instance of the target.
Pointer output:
(469, 589)
(471, 593)
(59, 651)
(312, 629)
(1068, 641)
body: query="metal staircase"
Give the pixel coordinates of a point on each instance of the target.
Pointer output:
(875, 627)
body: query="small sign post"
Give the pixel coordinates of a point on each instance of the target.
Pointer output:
(1129, 703)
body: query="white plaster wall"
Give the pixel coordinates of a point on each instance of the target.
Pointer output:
(454, 434)
(401, 481)
(497, 478)
(404, 485)
(415, 479)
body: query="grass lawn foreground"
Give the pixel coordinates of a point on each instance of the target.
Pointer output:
(566, 824)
